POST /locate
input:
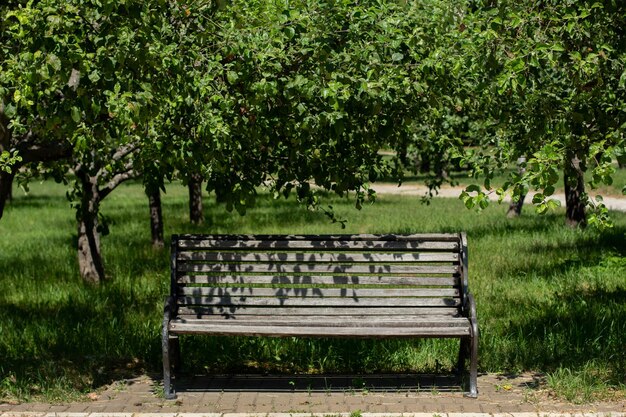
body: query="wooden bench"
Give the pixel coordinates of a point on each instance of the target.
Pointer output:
(367, 286)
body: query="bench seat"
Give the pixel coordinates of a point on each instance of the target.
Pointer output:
(327, 326)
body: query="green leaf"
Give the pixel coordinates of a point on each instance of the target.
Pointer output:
(94, 76)
(75, 114)
(542, 208)
(290, 32)
(622, 80)
(397, 57)
(553, 204)
(232, 77)
(54, 62)
(10, 110)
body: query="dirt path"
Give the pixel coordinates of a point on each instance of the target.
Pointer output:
(613, 203)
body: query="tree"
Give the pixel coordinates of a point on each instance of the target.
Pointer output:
(558, 91)
(280, 102)
(317, 89)
(81, 75)
(516, 205)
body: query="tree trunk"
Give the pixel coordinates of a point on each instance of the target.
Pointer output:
(575, 215)
(156, 218)
(6, 179)
(196, 215)
(89, 256)
(515, 208)
(6, 184)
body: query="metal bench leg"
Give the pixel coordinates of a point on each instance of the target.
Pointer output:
(177, 363)
(167, 369)
(473, 371)
(463, 353)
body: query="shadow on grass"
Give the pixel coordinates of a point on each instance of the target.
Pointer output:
(36, 201)
(537, 255)
(582, 327)
(507, 227)
(587, 250)
(84, 339)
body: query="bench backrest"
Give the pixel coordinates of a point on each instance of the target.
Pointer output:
(272, 275)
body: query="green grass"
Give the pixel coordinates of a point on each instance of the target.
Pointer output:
(550, 299)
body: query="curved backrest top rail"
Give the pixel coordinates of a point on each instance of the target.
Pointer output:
(366, 245)
(439, 237)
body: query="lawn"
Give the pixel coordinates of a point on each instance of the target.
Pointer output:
(550, 299)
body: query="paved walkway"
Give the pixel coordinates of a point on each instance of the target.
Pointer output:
(280, 396)
(612, 203)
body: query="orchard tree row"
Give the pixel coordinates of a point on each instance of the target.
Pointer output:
(233, 95)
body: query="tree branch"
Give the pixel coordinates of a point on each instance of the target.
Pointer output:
(124, 151)
(127, 174)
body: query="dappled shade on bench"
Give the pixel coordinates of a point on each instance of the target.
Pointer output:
(368, 286)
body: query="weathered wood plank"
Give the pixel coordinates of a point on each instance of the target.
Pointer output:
(363, 245)
(318, 292)
(321, 258)
(280, 268)
(237, 300)
(320, 331)
(329, 321)
(443, 237)
(303, 311)
(318, 280)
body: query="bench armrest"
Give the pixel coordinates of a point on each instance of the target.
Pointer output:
(169, 310)
(469, 307)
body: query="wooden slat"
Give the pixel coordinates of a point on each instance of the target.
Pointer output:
(280, 268)
(317, 292)
(329, 321)
(318, 257)
(304, 311)
(318, 280)
(363, 245)
(322, 331)
(322, 302)
(443, 237)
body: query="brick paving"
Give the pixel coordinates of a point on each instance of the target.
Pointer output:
(383, 395)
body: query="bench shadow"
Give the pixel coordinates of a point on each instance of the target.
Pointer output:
(326, 383)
